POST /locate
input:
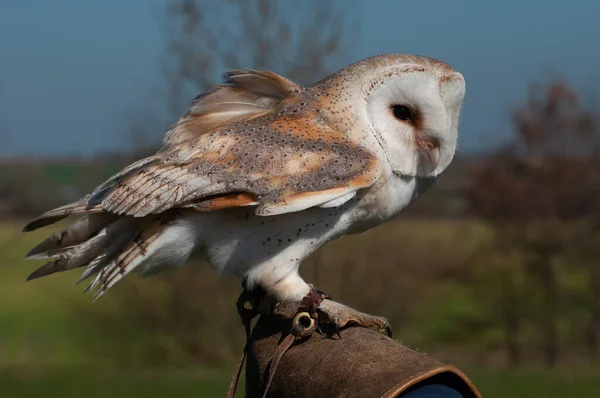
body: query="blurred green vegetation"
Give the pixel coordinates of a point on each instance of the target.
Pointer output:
(158, 336)
(69, 383)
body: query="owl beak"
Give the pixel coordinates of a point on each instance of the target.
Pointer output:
(428, 160)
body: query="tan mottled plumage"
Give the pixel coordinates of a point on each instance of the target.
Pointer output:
(260, 172)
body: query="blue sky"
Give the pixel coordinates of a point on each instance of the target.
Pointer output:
(71, 70)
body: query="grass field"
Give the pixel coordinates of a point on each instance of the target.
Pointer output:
(202, 383)
(43, 347)
(69, 383)
(36, 323)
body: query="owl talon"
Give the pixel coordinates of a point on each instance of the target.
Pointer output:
(319, 330)
(336, 327)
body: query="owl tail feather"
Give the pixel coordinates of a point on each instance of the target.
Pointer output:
(111, 246)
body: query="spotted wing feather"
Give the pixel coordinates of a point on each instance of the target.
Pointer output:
(284, 162)
(246, 94)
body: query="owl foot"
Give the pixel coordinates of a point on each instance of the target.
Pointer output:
(333, 316)
(338, 316)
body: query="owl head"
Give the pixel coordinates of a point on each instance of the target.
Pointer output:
(409, 104)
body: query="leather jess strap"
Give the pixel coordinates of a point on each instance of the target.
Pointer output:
(303, 325)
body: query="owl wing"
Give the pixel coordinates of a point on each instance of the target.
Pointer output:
(282, 159)
(280, 164)
(244, 95)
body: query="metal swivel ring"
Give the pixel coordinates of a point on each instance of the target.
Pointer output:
(302, 324)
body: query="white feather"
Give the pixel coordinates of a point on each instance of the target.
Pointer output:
(171, 249)
(339, 201)
(438, 107)
(303, 203)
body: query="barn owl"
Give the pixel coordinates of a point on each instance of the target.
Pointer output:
(261, 172)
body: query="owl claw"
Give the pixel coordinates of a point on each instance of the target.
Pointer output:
(388, 331)
(334, 324)
(336, 327)
(319, 329)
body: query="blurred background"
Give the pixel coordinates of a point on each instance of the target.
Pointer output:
(496, 269)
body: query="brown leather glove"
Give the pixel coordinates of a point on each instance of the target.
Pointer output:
(364, 363)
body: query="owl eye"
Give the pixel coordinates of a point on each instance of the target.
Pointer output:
(401, 112)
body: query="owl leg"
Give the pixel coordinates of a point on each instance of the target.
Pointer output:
(330, 314)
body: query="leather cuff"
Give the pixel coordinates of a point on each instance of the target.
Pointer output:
(364, 363)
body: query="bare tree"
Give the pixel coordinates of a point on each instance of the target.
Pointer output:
(300, 40)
